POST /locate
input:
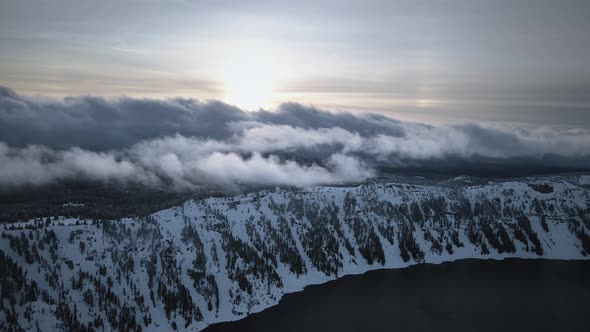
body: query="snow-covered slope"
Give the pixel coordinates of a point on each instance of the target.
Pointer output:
(220, 259)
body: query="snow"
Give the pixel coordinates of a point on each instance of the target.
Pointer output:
(208, 215)
(72, 204)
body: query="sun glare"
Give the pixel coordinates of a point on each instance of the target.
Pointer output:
(249, 80)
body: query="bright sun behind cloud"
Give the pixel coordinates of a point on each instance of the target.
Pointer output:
(249, 79)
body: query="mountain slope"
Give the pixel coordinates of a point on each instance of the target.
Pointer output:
(220, 259)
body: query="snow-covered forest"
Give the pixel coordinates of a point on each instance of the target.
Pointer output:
(218, 259)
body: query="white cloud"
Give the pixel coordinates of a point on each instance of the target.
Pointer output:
(185, 143)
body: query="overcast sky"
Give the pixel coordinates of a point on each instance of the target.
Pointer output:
(452, 61)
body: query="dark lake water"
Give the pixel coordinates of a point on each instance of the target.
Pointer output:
(468, 295)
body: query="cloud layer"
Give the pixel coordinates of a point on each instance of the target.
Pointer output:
(183, 143)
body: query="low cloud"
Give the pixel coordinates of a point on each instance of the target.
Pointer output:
(152, 164)
(184, 143)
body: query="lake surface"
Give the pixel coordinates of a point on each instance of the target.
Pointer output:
(468, 295)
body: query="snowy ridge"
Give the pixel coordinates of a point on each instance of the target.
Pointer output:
(220, 259)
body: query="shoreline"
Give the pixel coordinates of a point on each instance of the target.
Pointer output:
(351, 276)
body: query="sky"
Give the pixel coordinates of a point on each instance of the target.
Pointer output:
(180, 93)
(431, 61)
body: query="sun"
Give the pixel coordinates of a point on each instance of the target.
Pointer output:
(249, 79)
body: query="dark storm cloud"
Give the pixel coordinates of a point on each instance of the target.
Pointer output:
(184, 143)
(96, 123)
